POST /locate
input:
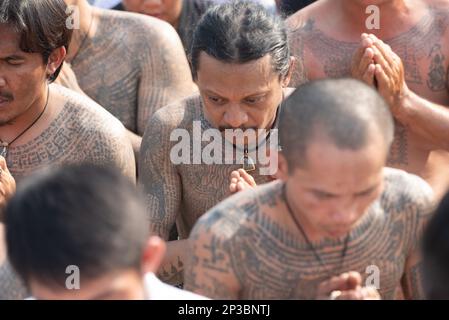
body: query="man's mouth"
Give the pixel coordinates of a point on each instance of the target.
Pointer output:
(4, 101)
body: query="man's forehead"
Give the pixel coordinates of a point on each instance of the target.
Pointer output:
(245, 79)
(9, 40)
(259, 66)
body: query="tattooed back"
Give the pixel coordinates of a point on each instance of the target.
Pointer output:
(132, 66)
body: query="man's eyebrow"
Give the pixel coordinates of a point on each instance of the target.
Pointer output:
(208, 91)
(328, 194)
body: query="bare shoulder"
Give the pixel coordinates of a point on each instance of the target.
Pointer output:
(299, 20)
(407, 194)
(91, 134)
(177, 115)
(92, 116)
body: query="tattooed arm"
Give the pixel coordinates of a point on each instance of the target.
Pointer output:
(208, 269)
(67, 78)
(419, 212)
(166, 75)
(162, 188)
(296, 40)
(427, 119)
(101, 138)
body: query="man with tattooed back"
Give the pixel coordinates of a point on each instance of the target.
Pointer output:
(241, 63)
(336, 224)
(128, 63)
(44, 124)
(404, 54)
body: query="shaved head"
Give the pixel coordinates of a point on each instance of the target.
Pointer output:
(346, 112)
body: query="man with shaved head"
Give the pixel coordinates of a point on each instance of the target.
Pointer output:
(335, 214)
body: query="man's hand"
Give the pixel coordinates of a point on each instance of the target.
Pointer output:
(347, 286)
(389, 74)
(7, 185)
(241, 180)
(362, 64)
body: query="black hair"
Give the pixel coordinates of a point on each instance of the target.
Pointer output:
(239, 32)
(40, 24)
(345, 110)
(84, 215)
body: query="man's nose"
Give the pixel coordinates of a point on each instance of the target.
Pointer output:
(235, 116)
(2, 81)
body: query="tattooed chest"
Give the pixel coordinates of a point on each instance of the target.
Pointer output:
(270, 263)
(424, 51)
(204, 186)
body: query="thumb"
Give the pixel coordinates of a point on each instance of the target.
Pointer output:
(3, 164)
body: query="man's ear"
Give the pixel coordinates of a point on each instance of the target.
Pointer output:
(55, 60)
(153, 254)
(282, 172)
(286, 80)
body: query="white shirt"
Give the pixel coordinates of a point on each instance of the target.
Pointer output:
(157, 290)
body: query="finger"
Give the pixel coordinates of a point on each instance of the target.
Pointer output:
(380, 59)
(385, 50)
(235, 174)
(351, 295)
(368, 76)
(3, 164)
(354, 280)
(382, 78)
(367, 59)
(247, 177)
(370, 293)
(241, 186)
(366, 41)
(233, 187)
(335, 283)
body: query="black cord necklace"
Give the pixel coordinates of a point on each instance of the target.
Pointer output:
(5, 145)
(309, 243)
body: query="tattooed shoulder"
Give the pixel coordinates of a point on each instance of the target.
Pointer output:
(410, 198)
(130, 72)
(81, 132)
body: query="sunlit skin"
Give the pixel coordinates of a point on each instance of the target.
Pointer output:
(331, 193)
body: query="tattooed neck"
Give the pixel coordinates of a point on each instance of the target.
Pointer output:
(87, 20)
